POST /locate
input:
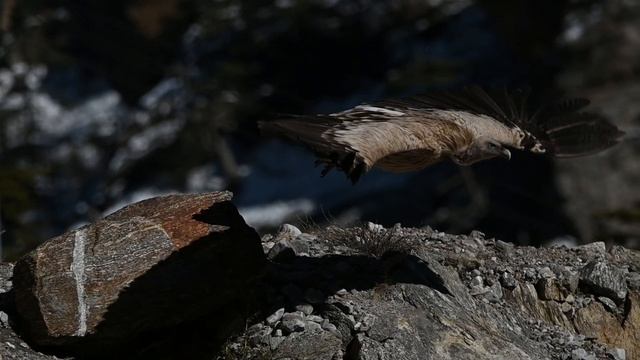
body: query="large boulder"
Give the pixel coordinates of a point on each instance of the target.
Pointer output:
(150, 266)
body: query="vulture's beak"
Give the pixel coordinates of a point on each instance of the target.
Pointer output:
(506, 154)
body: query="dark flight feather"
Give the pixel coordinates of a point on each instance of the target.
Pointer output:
(580, 134)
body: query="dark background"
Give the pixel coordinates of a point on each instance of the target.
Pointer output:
(103, 103)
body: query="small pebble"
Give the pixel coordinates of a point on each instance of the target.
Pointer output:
(508, 281)
(494, 294)
(292, 322)
(581, 354)
(315, 318)
(478, 290)
(618, 354)
(281, 251)
(504, 246)
(530, 273)
(313, 326)
(288, 231)
(4, 318)
(326, 325)
(477, 281)
(275, 317)
(374, 227)
(546, 273)
(306, 309)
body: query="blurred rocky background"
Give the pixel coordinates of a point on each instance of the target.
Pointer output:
(103, 103)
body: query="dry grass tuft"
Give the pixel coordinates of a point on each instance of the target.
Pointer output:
(367, 240)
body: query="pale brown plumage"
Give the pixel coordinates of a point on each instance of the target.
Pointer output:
(465, 127)
(404, 144)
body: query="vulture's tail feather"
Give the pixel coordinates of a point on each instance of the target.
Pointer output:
(297, 128)
(310, 131)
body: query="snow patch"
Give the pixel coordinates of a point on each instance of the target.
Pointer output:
(276, 213)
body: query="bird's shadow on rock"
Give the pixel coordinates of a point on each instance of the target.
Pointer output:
(312, 279)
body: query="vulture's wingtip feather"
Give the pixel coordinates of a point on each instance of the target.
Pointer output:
(581, 134)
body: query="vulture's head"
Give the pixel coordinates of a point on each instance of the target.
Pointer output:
(481, 149)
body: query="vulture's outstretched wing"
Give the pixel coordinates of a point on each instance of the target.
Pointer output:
(560, 129)
(356, 140)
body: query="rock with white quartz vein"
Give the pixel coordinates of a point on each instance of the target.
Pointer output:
(146, 267)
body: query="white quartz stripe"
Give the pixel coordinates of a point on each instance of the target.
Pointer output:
(78, 270)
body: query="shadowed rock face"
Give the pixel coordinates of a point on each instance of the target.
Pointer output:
(360, 293)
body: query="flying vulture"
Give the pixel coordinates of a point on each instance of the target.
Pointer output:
(464, 127)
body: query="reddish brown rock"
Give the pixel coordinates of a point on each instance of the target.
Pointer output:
(597, 322)
(148, 266)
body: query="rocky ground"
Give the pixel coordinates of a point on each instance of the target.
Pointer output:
(327, 293)
(375, 293)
